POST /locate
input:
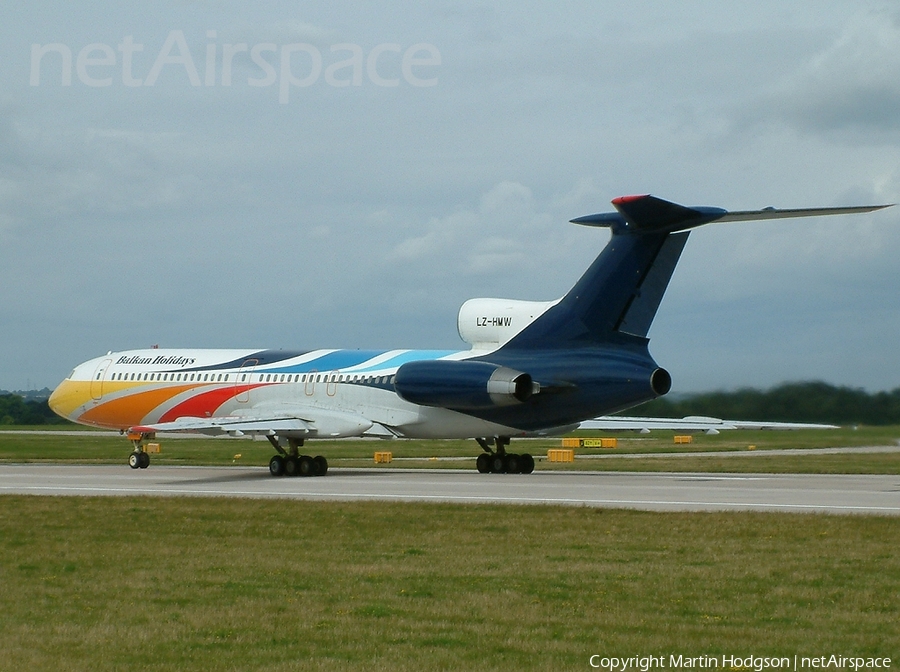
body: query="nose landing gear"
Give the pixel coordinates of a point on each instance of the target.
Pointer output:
(139, 458)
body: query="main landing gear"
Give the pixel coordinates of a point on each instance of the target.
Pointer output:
(292, 463)
(498, 461)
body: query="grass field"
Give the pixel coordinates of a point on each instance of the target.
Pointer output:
(220, 584)
(216, 584)
(87, 447)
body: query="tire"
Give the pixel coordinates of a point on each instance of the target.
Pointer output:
(134, 460)
(144, 460)
(321, 465)
(498, 464)
(526, 462)
(276, 466)
(512, 464)
(291, 467)
(306, 466)
(483, 463)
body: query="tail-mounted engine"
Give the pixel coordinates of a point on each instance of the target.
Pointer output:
(489, 323)
(462, 385)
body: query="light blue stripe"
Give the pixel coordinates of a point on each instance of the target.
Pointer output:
(332, 361)
(408, 356)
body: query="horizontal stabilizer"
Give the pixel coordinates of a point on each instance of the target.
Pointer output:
(773, 213)
(648, 214)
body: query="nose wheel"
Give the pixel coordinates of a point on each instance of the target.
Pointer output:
(139, 458)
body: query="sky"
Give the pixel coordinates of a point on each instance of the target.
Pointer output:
(345, 175)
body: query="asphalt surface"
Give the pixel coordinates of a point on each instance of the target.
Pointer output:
(859, 494)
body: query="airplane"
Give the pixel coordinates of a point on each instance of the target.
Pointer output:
(534, 368)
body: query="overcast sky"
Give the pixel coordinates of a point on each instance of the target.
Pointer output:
(334, 174)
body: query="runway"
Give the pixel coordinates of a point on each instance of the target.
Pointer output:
(860, 494)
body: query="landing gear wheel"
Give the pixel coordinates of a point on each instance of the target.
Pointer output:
(321, 465)
(276, 466)
(498, 464)
(512, 464)
(305, 465)
(143, 460)
(134, 460)
(497, 461)
(526, 464)
(291, 467)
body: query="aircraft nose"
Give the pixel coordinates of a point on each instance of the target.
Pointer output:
(55, 400)
(67, 396)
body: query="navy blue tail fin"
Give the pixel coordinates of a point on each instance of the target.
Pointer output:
(618, 294)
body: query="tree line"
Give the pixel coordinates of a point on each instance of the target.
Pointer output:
(16, 410)
(790, 402)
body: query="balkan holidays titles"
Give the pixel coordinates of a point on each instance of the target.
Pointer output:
(729, 662)
(161, 360)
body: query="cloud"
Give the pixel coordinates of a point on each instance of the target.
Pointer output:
(476, 235)
(363, 216)
(848, 91)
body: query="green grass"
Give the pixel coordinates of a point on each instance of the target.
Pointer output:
(739, 440)
(221, 584)
(90, 448)
(850, 463)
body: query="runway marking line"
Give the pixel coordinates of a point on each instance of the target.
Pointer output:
(462, 498)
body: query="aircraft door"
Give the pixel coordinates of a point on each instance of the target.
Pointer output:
(99, 379)
(331, 384)
(310, 388)
(242, 382)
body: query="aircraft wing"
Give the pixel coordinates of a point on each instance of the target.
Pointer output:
(748, 424)
(688, 424)
(287, 421)
(228, 425)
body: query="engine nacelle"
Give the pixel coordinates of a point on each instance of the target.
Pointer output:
(489, 323)
(462, 385)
